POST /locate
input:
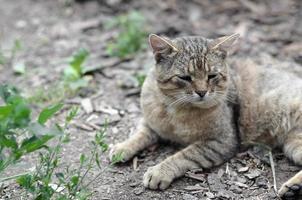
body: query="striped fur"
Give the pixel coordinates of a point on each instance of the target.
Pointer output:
(192, 97)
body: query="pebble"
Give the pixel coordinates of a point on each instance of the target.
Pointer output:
(210, 195)
(189, 197)
(243, 169)
(138, 190)
(253, 174)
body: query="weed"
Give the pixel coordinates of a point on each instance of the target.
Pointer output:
(74, 74)
(19, 134)
(74, 78)
(48, 181)
(131, 35)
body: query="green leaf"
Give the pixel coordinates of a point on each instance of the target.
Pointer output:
(97, 160)
(25, 181)
(34, 143)
(61, 177)
(5, 111)
(17, 45)
(48, 112)
(70, 74)
(75, 180)
(78, 59)
(117, 158)
(10, 143)
(7, 91)
(72, 113)
(82, 159)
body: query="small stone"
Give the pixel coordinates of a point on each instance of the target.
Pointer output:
(253, 174)
(210, 195)
(189, 197)
(243, 169)
(138, 190)
(261, 182)
(21, 24)
(220, 173)
(134, 184)
(115, 130)
(241, 179)
(133, 108)
(87, 105)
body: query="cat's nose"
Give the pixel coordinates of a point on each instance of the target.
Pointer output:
(201, 93)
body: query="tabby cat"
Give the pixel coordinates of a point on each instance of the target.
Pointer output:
(192, 97)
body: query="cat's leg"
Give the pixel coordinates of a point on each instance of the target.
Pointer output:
(292, 145)
(293, 150)
(291, 189)
(140, 140)
(200, 154)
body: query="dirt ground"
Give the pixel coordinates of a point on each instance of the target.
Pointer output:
(51, 30)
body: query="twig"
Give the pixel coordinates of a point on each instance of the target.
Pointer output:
(273, 171)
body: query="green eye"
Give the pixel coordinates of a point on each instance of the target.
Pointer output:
(185, 78)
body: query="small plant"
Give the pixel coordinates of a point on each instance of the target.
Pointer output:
(49, 182)
(131, 35)
(74, 78)
(74, 74)
(19, 134)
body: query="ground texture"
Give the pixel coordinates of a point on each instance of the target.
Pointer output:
(52, 30)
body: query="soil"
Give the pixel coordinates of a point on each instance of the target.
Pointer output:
(50, 31)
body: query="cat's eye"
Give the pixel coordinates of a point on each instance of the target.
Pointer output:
(212, 76)
(185, 78)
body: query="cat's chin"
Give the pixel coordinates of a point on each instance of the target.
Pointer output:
(203, 105)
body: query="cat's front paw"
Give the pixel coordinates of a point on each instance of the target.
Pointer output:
(292, 189)
(121, 149)
(157, 178)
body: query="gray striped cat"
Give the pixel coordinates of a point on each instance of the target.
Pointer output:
(194, 98)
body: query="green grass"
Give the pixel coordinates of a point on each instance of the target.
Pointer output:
(131, 37)
(21, 135)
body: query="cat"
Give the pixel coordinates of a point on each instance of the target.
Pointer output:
(192, 97)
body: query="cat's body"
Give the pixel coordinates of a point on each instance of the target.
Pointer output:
(193, 98)
(270, 107)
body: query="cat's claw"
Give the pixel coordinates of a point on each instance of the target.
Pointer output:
(290, 191)
(157, 178)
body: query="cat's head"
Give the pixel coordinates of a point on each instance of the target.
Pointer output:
(192, 70)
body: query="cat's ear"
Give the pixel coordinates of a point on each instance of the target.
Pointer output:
(224, 43)
(161, 45)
